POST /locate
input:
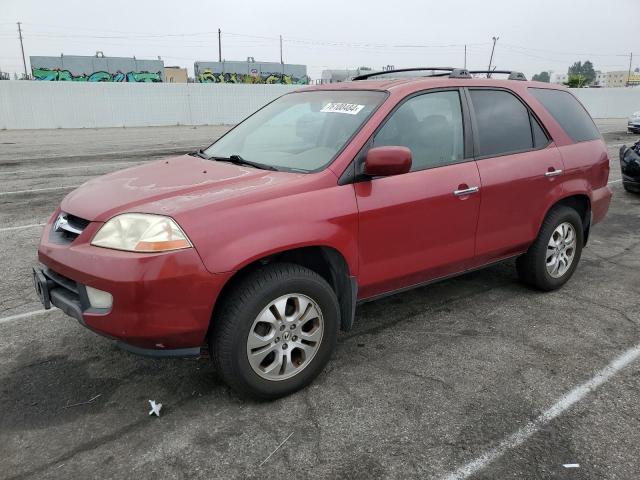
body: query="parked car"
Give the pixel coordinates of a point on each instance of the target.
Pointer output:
(630, 166)
(259, 247)
(633, 123)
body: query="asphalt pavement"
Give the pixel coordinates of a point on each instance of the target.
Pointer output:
(475, 377)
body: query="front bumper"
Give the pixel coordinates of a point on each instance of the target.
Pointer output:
(162, 302)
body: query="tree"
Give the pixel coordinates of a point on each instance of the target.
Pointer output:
(584, 70)
(576, 81)
(588, 71)
(542, 77)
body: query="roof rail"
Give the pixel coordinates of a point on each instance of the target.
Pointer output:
(455, 73)
(400, 70)
(460, 73)
(445, 72)
(512, 74)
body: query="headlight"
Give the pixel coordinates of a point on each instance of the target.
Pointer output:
(141, 232)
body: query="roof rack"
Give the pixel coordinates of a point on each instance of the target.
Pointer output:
(512, 74)
(400, 70)
(445, 72)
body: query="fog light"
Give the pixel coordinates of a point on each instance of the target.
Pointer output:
(98, 298)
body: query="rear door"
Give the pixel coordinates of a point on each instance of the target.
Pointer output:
(519, 167)
(419, 226)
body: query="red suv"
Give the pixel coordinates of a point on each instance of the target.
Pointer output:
(260, 247)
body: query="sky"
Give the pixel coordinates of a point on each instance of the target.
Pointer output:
(532, 35)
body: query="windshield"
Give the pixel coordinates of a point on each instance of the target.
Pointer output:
(299, 131)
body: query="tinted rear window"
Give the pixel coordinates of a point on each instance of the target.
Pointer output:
(568, 112)
(502, 121)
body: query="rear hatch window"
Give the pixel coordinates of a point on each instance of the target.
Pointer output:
(568, 112)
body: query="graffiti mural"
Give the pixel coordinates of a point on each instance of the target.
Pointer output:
(207, 76)
(59, 75)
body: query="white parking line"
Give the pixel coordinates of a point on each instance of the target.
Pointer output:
(38, 170)
(567, 401)
(39, 190)
(20, 227)
(630, 142)
(20, 316)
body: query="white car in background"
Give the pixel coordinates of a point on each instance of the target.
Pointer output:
(633, 124)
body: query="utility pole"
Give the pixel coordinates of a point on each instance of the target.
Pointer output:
(495, 39)
(281, 50)
(465, 56)
(629, 74)
(24, 62)
(219, 46)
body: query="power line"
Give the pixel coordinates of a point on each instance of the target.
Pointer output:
(288, 39)
(583, 54)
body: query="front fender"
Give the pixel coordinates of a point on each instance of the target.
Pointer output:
(234, 237)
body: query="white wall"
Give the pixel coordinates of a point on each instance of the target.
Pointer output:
(36, 104)
(609, 102)
(90, 105)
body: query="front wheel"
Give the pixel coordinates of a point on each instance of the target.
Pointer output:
(275, 331)
(554, 256)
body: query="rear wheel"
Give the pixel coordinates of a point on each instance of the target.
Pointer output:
(275, 331)
(554, 256)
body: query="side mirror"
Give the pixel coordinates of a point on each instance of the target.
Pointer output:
(387, 161)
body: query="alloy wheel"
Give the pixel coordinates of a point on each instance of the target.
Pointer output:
(285, 336)
(561, 250)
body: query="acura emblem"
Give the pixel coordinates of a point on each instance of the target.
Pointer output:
(60, 222)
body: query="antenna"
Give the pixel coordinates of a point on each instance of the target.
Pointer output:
(495, 39)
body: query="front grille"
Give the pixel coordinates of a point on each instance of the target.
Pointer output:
(66, 228)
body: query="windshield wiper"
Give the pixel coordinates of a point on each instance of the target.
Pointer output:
(238, 160)
(199, 153)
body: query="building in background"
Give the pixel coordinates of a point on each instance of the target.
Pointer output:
(617, 78)
(77, 68)
(250, 72)
(560, 78)
(614, 79)
(601, 79)
(175, 75)
(337, 76)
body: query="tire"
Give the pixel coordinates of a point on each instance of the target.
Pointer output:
(537, 267)
(302, 342)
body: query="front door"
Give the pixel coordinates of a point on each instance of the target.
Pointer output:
(420, 225)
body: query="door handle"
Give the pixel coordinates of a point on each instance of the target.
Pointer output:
(553, 173)
(466, 191)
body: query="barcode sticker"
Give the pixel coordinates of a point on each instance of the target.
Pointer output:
(350, 108)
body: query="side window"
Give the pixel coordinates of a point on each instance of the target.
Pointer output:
(568, 112)
(430, 125)
(502, 122)
(540, 138)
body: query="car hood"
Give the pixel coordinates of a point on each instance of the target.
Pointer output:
(168, 186)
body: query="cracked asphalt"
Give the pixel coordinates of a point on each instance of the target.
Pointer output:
(426, 381)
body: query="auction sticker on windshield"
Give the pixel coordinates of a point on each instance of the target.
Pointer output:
(350, 108)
